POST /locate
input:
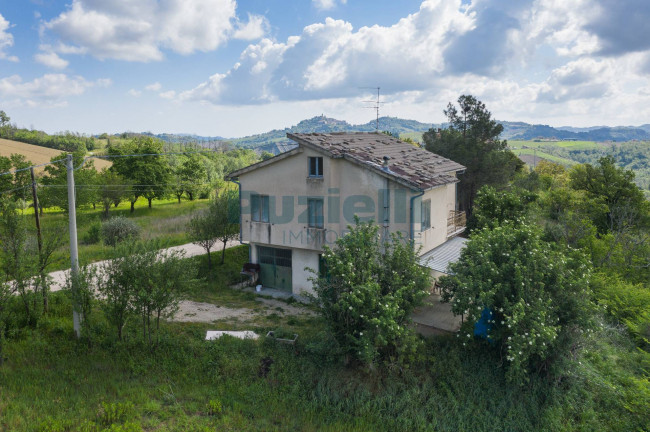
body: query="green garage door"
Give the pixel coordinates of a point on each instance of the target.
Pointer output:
(275, 267)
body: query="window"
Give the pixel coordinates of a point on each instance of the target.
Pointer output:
(315, 167)
(426, 215)
(260, 208)
(315, 213)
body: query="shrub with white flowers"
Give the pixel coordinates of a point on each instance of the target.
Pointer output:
(367, 292)
(538, 294)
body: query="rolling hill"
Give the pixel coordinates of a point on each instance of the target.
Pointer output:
(36, 154)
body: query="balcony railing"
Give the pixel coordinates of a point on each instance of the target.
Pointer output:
(456, 222)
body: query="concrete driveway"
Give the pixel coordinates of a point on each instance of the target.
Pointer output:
(190, 249)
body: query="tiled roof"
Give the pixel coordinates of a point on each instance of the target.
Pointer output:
(438, 259)
(408, 164)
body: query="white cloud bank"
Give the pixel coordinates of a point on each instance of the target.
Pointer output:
(6, 40)
(141, 30)
(537, 57)
(48, 90)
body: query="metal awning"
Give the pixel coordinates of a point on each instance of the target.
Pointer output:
(438, 259)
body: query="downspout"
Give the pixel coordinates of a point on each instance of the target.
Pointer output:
(386, 201)
(412, 218)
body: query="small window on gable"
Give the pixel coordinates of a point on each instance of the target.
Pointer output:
(315, 167)
(426, 215)
(260, 208)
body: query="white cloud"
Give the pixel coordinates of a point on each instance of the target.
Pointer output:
(134, 92)
(6, 40)
(256, 27)
(48, 90)
(330, 59)
(326, 4)
(585, 78)
(140, 30)
(52, 60)
(153, 87)
(171, 94)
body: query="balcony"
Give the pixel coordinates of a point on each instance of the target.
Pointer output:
(456, 222)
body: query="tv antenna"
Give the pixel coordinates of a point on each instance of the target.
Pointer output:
(376, 105)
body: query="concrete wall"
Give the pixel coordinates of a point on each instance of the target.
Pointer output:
(300, 259)
(443, 201)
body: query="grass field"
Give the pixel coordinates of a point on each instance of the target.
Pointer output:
(52, 382)
(541, 155)
(36, 154)
(166, 221)
(415, 136)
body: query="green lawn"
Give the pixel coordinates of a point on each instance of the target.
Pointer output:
(166, 221)
(542, 155)
(415, 136)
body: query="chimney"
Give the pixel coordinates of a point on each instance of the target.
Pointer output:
(385, 165)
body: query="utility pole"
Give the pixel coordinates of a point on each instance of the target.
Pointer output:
(74, 253)
(38, 219)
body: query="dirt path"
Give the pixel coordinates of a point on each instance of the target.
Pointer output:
(190, 249)
(191, 311)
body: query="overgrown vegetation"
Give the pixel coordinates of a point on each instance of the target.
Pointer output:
(366, 292)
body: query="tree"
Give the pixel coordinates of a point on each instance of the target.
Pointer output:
(472, 140)
(190, 175)
(615, 186)
(225, 210)
(18, 258)
(22, 179)
(531, 295)
(4, 123)
(492, 208)
(7, 180)
(367, 291)
(142, 279)
(85, 178)
(112, 189)
(219, 222)
(141, 162)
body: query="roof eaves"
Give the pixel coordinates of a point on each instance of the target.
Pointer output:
(262, 164)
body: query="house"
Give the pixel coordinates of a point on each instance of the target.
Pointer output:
(296, 202)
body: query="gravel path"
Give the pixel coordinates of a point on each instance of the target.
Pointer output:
(191, 311)
(190, 249)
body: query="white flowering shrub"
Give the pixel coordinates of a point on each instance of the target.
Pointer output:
(367, 293)
(538, 294)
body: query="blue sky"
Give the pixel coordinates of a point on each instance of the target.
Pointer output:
(229, 68)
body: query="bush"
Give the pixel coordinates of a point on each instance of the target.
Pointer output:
(368, 292)
(118, 229)
(94, 234)
(527, 296)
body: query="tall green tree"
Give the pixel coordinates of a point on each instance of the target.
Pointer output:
(22, 178)
(7, 180)
(112, 189)
(56, 180)
(625, 202)
(472, 140)
(141, 162)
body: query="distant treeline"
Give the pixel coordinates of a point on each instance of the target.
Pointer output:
(65, 141)
(634, 156)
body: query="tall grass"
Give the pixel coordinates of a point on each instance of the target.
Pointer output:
(52, 379)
